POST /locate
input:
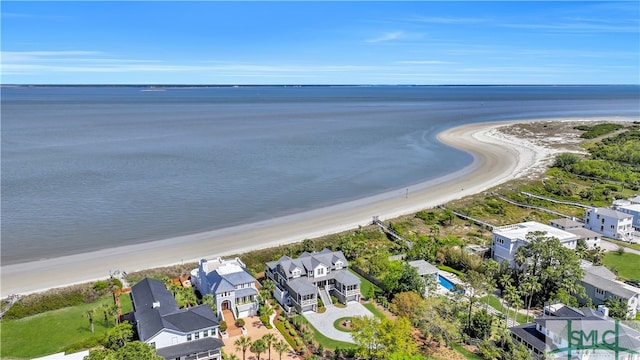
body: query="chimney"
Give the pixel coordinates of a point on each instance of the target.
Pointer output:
(156, 304)
(205, 266)
(604, 310)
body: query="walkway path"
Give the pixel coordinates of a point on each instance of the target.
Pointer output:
(324, 322)
(609, 246)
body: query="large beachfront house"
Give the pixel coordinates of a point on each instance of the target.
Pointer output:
(610, 223)
(584, 334)
(600, 284)
(507, 239)
(300, 281)
(633, 210)
(233, 288)
(175, 333)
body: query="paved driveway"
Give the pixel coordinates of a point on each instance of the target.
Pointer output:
(324, 322)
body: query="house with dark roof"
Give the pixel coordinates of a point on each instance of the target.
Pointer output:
(610, 223)
(600, 284)
(300, 281)
(591, 238)
(175, 333)
(231, 285)
(570, 333)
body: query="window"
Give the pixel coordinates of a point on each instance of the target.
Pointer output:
(197, 335)
(600, 291)
(188, 337)
(205, 333)
(612, 227)
(153, 344)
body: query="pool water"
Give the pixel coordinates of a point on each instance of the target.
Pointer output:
(446, 283)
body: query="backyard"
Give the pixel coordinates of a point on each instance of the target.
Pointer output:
(625, 265)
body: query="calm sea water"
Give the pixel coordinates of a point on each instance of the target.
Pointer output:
(85, 168)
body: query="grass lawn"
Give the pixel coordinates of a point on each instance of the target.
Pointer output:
(626, 264)
(466, 353)
(125, 303)
(450, 270)
(379, 314)
(326, 342)
(51, 332)
(337, 324)
(494, 302)
(365, 285)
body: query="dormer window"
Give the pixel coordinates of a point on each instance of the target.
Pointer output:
(338, 264)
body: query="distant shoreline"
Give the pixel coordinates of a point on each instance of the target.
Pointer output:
(497, 158)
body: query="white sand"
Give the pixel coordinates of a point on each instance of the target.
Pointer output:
(498, 158)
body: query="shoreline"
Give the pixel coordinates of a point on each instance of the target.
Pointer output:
(497, 158)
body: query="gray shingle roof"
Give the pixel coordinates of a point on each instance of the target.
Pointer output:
(608, 285)
(190, 348)
(346, 278)
(584, 233)
(302, 286)
(423, 267)
(246, 292)
(612, 213)
(566, 223)
(152, 320)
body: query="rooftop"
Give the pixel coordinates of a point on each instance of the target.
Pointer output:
(520, 231)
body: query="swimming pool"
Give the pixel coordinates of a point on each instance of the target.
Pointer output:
(446, 283)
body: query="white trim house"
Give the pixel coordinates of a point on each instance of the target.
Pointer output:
(610, 223)
(176, 334)
(507, 239)
(231, 285)
(300, 281)
(633, 210)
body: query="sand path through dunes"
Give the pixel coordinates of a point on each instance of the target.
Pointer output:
(498, 158)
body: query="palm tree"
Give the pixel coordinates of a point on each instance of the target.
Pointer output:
(280, 347)
(531, 286)
(505, 281)
(269, 339)
(243, 343)
(258, 347)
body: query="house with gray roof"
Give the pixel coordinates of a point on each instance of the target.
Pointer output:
(231, 285)
(591, 238)
(300, 281)
(600, 284)
(175, 333)
(610, 223)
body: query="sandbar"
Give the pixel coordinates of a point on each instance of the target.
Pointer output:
(497, 159)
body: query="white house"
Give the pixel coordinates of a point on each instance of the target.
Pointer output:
(610, 223)
(633, 210)
(591, 238)
(175, 333)
(507, 239)
(231, 285)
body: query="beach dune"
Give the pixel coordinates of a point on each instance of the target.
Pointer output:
(497, 158)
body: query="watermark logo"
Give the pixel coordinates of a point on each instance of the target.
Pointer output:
(591, 339)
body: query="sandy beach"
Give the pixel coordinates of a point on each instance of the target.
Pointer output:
(497, 158)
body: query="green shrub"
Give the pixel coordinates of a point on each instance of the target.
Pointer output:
(99, 285)
(240, 322)
(223, 326)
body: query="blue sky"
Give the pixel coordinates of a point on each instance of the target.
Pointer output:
(426, 42)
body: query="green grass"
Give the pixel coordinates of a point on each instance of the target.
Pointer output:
(379, 314)
(464, 352)
(125, 303)
(365, 285)
(336, 324)
(52, 331)
(326, 342)
(494, 302)
(626, 264)
(450, 270)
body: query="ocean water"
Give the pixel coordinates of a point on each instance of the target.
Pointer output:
(86, 168)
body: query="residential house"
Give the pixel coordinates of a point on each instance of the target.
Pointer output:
(633, 210)
(300, 281)
(610, 223)
(175, 333)
(425, 270)
(570, 333)
(507, 239)
(591, 238)
(600, 284)
(231, 285)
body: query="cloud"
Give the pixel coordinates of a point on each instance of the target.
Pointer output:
(389, 36)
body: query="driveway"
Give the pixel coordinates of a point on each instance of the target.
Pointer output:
(609, 246)
(324, 322)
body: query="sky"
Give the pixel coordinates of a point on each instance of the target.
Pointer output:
(335, 42)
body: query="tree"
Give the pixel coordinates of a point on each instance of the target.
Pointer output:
(403, 277)
(480, 326)
(280, 347)
(269, 339)
(488, 350)
(90, 314)
(555, 266)
(308, 245)
(118, 336)
(406, 304)
(209, 300)
(101, 354)
(242, 344)
(258, 347)
(618, 308)
(365, 335)
(530, 286)
(185, 297)
(438, 319)
(137, 350)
